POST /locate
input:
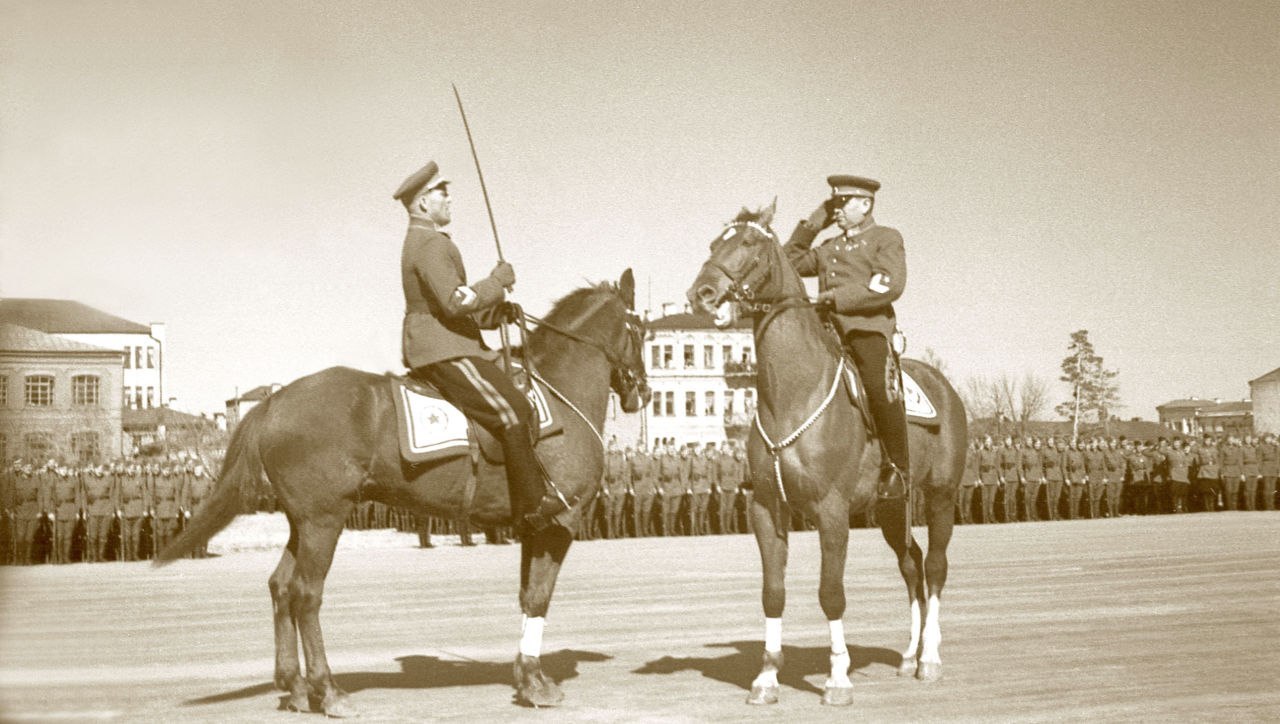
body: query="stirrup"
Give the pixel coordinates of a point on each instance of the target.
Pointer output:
(553, 509)
(892, 484)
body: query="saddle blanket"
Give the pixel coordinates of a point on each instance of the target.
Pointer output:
(430, 428)
(920, 408)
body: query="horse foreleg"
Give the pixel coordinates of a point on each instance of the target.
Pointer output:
(316, 543)
(288, 673)
(540, 558)
(941, 522)
(891, 514)
(772, 542)
(833, 535)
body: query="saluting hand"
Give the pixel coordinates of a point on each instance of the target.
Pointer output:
(821, 217)
(504, 274)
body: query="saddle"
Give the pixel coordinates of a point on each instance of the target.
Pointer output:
(429, 428)
(919, 408)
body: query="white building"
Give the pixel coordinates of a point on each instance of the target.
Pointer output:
(703, 380)
(143, 345)
(1265, 393)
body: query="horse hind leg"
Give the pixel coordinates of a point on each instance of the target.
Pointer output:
(288, 675)
(891, 514)
(772, 542)
(317, 540)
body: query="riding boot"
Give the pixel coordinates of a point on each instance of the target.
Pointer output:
(535, 501)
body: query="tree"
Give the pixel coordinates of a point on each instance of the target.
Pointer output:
(1006, 398)
(1094, 391)
(934, 360)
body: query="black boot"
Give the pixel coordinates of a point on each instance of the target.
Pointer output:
(893, 483)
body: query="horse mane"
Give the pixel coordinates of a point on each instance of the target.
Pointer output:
(748, 215)
(568, 309)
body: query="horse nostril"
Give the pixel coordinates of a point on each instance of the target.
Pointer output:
(706, 293)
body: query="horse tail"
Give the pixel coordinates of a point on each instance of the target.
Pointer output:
(242, 468)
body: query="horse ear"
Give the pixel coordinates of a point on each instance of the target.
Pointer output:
(627, 287)
(766, 214)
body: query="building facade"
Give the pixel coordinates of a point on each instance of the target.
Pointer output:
(1265, 393)
(239, 406)
(59, 399)
(142, 345)
(702, 378)
(1195, 416)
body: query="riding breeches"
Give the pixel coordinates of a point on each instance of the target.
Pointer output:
(486, 395)
(870, 351)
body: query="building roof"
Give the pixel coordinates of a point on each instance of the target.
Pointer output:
(15, 338)
(1272, 376)
(150, 419)
(257, 394)
(688, 320)
(1227, 409)
(64, 316)
(1189, 403)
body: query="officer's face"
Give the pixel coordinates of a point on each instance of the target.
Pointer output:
(436, 204)
(853, 212)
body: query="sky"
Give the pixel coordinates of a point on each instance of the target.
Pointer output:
(227, 167)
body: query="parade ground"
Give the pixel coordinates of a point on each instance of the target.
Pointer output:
(1137, 619)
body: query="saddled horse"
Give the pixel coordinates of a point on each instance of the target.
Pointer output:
(810, 450)
(329, 440)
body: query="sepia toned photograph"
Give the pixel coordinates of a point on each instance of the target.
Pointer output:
(341, 339)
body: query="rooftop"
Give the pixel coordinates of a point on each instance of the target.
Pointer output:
(63, 316)
(16, 338)
(688, 320)
(1272, 376)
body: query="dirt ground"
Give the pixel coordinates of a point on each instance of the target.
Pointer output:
(1161, 618)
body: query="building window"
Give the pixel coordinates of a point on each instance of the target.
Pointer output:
(40, 391)
(4, 448)
(708, 357)
(137, 399)
(128, 358)
(655, 359)
(84, 390)
(4, 390)
(151, 397)
(688, 356)
(37, 447)
(657, 404)
(671, 403)
(151, 358)
(84, 447)
(746, 355)
(709, 404)
(690, 403)
(137, 357)
(128, 395)
(728, 402)
(726, 353)
(749, 401)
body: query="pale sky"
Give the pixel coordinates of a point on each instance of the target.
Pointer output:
(227, 167)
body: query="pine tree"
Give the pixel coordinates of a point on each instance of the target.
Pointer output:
(1094, 391)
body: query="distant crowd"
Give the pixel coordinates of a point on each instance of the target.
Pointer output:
(129, 510)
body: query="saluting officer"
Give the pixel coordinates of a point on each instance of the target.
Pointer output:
(442, 344)
(861, 273)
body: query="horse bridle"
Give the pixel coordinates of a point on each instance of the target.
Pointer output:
(632, 327)
(744, 287)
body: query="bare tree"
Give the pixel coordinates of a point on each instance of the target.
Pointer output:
(1033, 397)
(979, 402)
(1006, 398)
(934, 360)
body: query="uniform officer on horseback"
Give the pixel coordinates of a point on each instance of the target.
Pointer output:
(442, 345)
(860, 274)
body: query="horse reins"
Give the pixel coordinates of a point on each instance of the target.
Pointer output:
(775, 449)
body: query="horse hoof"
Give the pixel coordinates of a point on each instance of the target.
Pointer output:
(907, 667)
(763, 695)
(837, 696)
(929, 671)
(297, 703)
(340, 708)
(539, 692)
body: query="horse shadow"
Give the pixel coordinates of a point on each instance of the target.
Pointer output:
(740, 666)
(430, 672)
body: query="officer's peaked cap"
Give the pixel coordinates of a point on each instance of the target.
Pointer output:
(846, 185)
(427, 177)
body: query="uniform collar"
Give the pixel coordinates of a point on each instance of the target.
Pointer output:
(417, 222)
(862, 228)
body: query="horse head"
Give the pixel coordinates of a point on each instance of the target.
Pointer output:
(604, 317)
(746, 267)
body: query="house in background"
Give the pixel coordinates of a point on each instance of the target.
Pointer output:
(239, 406)
(1265, 393)
(59, 398)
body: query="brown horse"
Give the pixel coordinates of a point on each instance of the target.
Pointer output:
(817, 457)
(329, 440)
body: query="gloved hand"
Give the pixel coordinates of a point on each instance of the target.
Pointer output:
(510, 313)
(504, 274)
(821, 217)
